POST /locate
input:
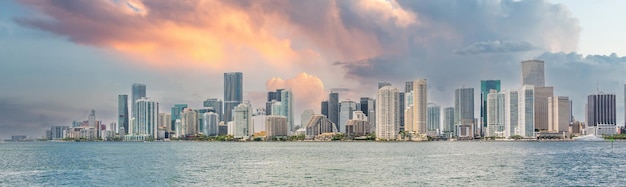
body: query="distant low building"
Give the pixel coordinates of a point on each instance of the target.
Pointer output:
(319, 124)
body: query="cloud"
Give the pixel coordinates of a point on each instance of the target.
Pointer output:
(496, 47)
(308, 90)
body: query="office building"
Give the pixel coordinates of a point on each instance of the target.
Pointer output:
(216, 104)
(368, 106)
(242, 121)
(275, 127)
(233, 93)
(358, 126)
(387, 125)
(511, 110)
(333, 108)
(146, 119)
(541, 107)
(526, 113)
(176, 110)
(420, 105)
(559, 114)
(464, 108)
(485, 87)
(532, 73)
(400, 110)
(324, 108)
(286, 98)
(346, 108)
(448, 120)
(319, 124)
(601, 114)
(122, 113)
(211, 123)
(433, 120)
(305, 117)
(272, 96)
(138, 92)
(408, 86)
(496, 114)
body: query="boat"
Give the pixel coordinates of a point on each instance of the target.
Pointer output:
(588, 138)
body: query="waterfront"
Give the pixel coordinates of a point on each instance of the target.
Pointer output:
(312, 163)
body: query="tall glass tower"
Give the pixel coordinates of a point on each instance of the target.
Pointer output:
(233, 93)
(333, 108)
(138, 92)
(122, 113)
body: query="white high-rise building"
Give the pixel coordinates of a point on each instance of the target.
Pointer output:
(387, 125)
(345, 113)
(496, 114)
(146, 118)
(526, 111)
(511, 109)
(420, 104)
(242, 118)
(211, 122)
(178, 125)
(189, 122)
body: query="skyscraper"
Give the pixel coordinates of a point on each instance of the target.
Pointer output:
(434, 117)
(122, 113)
(511, 109)
(420, 104)
(386, 122)
(147, 117)
(485, 87)
(211, 122)
(448, 120)
(233, 93)
(189, 122)
(176, 110)
(532, 73)
(541, 107)
(333, 108)
(216, 104)
(286, 98)
(324, 108)
(559, 114)
(408, 86)
(601, 109)
(242, 121)
(383, 84)
(272, 96)
(464, 106)
(400, 109)
(138, 92)
(368, 106)
(496, 114)
(526, 112)
(346, 108)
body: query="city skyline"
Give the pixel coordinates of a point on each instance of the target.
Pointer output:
(58, 71)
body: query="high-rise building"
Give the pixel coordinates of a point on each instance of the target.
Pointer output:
(272, 96)
(601, 109)
(286, 98)
(400, 110)
(216, 104)
(408, 111)
(211, 122)
(368, 106)
(122, 113)
(346, 108)
(541, 107)
(305, 117)
(358, 125)
(242, 119)
(176, 110)
(383, 84)
(420, 104)
(559, 114)
(324, 109)
(56, 132)
(485, 87)
(138, 92)
(233, 93)
(387, 125)
(496, 114)
(189, 122)
(433, 120)
(526, 112)
(276, 126)
(464, 106)
(448, 120)
(511, 109)
(146, 119)
(333, 108)
(408, 86)
(532, 73)
(165, 121)
(93, 122)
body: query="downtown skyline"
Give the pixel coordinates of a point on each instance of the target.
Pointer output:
(51, 88)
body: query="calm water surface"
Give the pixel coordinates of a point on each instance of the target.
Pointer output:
(313, 164)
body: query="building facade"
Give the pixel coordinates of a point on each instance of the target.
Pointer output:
(420, 105)
(233, 93)
(147, 117)
(533, 73)
(386, 119)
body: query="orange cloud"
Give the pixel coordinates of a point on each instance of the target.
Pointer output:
(308, 90)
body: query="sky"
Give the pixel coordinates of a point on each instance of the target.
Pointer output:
(60, 59)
